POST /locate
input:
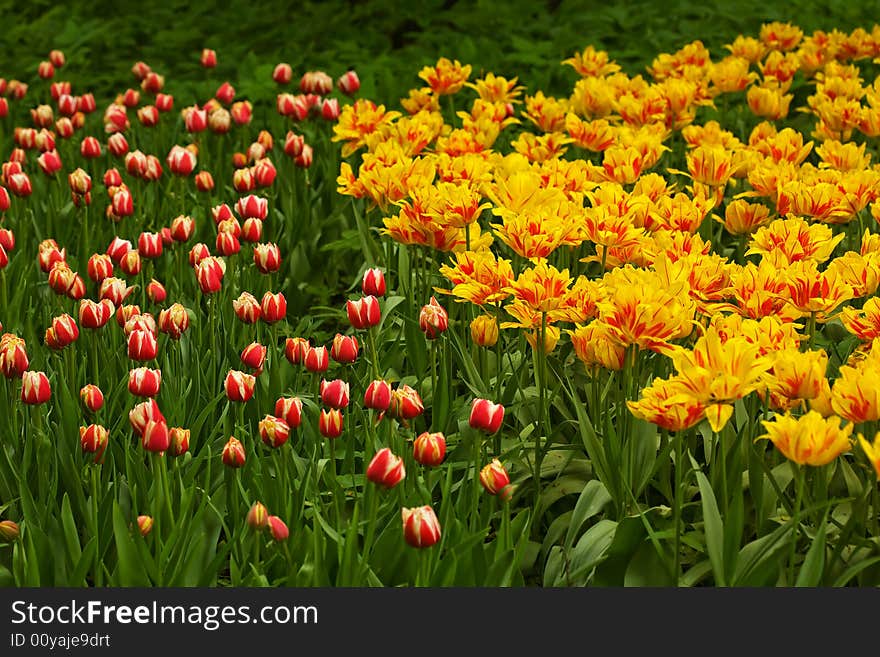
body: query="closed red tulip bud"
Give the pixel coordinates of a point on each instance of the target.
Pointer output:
(179, 441)
(330, 423)
(373, 282)
(316, 82)
(144, 382)
(7, 239)
(335, 393)
(50, 162)
(13, 356)
(405, 403)
(130, 263)
(152, 83)
(225, 94)
(195, 119)
(198, 253)
(257, 517)
(167, 240)
(153, 168)
(283, 73)
(267, 258)
(143, 413)
(233, 455)
(142, 346)
(378, 395)
(278, 529)
(230, 226)
(252, 206)
(264, 173)
(9, 531)
(156, 291)
(289, 409)
(254, 356)
(433, 319)
(209, 274)
(246, 308)
(19, 184)
(61, 278)
(65, 329)
(131, 98)
(330, 109)
(46, 70)
(344, 349)
(117, 249)
(145, 524)
(273, 307)
(386, 469)
(421, 529)
(227, 243)
(182, 228)
(364, 312)
(90, 148)
(17, 89)
(349, 83)
(117, 144)
(114, 289)
(252, 230)
(4, 108)
(239, 386)
(204, 181)
(429, 449)
(164, 102)
(93, 439)
(99, 267)
(174, 321)
(35, 388)
(91, 397)
(63, 126)
(285, 104)
(274, 431)
(181, 162)
(148, 116)
(95, 315)
(4, 199)
(122, 203)
(316, 359)
(209, 58)
(138, 322)
(239, 161)
(221, 213)
(242, 112)
(304, 159)
(243, 180)
(156, 437)
(494, 477)
(295, 350)
(86, 103)
(486, 415)
(266, 139)
(52, 341)
(57, 58)
(42, 116)
(293, 144)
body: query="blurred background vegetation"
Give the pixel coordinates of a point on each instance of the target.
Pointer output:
(386, 42)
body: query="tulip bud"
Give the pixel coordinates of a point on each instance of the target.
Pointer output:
(254, 356)
(204, 181)
(93, 440)
(179, 441)
(225, 94)
(50, 162)
(148, 115)
(131, 98)
(145, 524)
(386, 469)
(65, 329)
(258, 517)
(57, 58)
(421, 528)
(164, 102)
(406, 403)
(142, 346)
(267, 258)
(429, 449)
(181, 162)
(484, 330)
(378, 395)
(282, 74)
(486, 416)
(252, 231)
(195, 119)
(304, 159)
(330, 423)
(7, 239)
(182, 228)
(233, 454)
(335, 394)
(349, 83)
(35, 388)
(373, 283)
(144, 382)
(174, 321)
(274, 431)
(118, 248)
(273, 307)
(155, 437)
(344, 349)
(239, 386)
(46, 70)
(90, 148)
(433, 319)
(316, 359)
(246, 308)
(290, 410)
(252, 206)
(142, 414)
(293, 144)
(92, 398)
(330, 109)
(61, 278)
(243, 180)
(316, 82)
(130, 263)
(209, 274)
(122, 203)
(150, 245)
(138, 322)
(63, 126)
(20, 184)
(198, 253)
(242, 112)
(364, 312)
(227, 243)
(117, 144)
(264, 173)
(278, 529)
(494, 477)
(9, 531)
(152, 83)
(209, 58)
(156, 291)
(95, 315)
(295, 350)
(551, 337)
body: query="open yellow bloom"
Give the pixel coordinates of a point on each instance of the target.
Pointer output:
(742, 217)
(809, 439)
(794, 239)
(855, 394)
(478, 277)
(496, 89)
(596, 135)
(797, 374)
(864, 322)
(537, 232)
(419, 100)
(872, 451)
(540, 148)
(777, 35)
(812, 291)
(770, 103)
(678, 213)
(592, 98)
(595, 346)
(592, 63)
(666, 404)
(446, 77)
(820, 200)
(710, 165)
(546, 112)
(861, 272)
(542, 287)
(731, 74)
(842, 156)
(356, 122)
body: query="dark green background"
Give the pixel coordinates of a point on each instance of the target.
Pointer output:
(387, 42)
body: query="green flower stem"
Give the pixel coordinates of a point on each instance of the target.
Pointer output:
(799, 476)
(97, 574)
(676, 506)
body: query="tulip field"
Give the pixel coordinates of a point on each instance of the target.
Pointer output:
(484, 334)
